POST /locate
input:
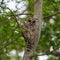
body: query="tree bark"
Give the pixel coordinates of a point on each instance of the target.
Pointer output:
(38, 15)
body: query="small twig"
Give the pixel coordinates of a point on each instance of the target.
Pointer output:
(49, 16)
(14, 17)
(49, 53)
(24, 14)
(45, 17)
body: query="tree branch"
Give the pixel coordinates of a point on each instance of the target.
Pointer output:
(45, 17)
(16, 14)
(49, 53)
(29, 51)
(49, 16)
(14, 17)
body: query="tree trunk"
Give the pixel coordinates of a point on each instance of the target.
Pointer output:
(38, 15)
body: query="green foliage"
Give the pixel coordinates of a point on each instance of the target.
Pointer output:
(35, 57)
(10, 33)
(31, 7)
(53, 58)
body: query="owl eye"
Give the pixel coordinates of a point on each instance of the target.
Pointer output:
(33, 21)
(29, 20)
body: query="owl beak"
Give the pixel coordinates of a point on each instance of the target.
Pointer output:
(32, 24)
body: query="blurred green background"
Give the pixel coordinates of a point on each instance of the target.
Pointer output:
(11, 41)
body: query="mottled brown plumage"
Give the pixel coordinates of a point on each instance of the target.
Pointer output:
(30, 28)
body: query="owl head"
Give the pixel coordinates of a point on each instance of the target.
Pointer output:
(31, 21)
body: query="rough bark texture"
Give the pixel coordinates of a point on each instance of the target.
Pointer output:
(37, 14)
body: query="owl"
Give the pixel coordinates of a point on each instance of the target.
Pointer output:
(30, 28)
